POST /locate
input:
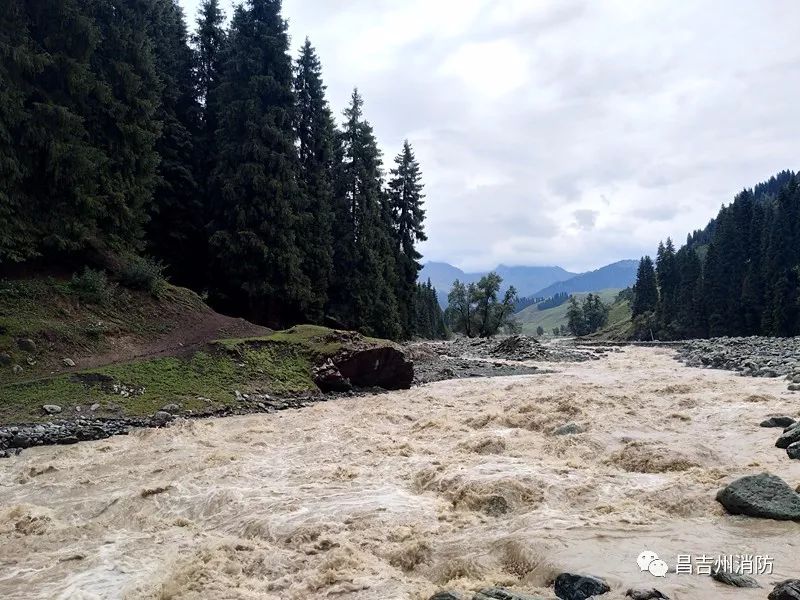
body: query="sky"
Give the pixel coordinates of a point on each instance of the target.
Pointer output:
(570, 133)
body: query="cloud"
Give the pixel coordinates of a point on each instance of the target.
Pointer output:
(585, 218)
(563, 131)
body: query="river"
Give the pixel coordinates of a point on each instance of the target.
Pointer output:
(453, 485)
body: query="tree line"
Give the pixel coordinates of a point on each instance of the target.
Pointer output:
(740, 276)
(215, 153)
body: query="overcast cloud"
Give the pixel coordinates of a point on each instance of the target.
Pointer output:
(566, 133)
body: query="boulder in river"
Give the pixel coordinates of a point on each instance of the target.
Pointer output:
(789, 436)
(786, 590)
(569, 586)
(498, 593)
(794, 450)
(765, 496)
(161, 418)
(645, 594)
(734, 579)
(777, 421)
(568, 429)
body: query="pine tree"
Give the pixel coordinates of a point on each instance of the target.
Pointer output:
(315, 131)
(176, 231)
(79, 151)
(645, 290)
(253, 248)
(19, 61)
(405, 196)
(667, 280)
(363, 291)
(209, 42)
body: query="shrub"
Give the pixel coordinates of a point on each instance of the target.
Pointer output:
(139, 273)
(92, 286)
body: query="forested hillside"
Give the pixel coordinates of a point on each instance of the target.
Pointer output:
(738, 276)
(215, 155)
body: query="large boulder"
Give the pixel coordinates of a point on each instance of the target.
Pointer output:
(765, 496)
(790, 435)
(777, 421)
(734, 579)
(786, 590)
(569, 586)
(793, 451)
(384, 366)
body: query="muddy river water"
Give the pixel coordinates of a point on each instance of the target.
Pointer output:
(453, 485)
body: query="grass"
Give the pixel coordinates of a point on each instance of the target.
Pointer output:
(278, 364)
(51, 313)
(531, 317)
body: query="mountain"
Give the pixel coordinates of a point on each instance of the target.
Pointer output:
(525, 279)
(617, 275)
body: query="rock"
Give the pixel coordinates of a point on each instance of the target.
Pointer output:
(94, 407)
(16, 369)
(328, 378)
(569, 586)
(786, 590)
(161, 418)
(498, 593)
(51, 409)
(26, 345)
(5, 359)
(383, 366)
(794, 387)
(734, 579)
(793, 451)
(171, 408)
(68, 362)
(765, 496)
(568, 429)
(445, 596)
(777, 421)
(645, 594)
(789, 436)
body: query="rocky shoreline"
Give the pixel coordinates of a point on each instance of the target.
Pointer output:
(17, 437)
(749, 356)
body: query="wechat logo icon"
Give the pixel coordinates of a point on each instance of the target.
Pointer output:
(649, 561)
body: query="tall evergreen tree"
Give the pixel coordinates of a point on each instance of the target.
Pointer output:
(79, 153)
(645, 290)
(315, 132)
(405, 197)
(253, 246)
(667, 278)
(176, 230)
(363, 291)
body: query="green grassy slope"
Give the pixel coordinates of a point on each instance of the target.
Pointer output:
(531, 317)
(134, 353)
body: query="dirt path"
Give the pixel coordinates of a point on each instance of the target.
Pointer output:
(453, 485)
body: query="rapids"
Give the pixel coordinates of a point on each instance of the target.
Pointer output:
(452, 485)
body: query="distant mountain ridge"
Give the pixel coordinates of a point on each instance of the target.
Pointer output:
(534, 281)
(618, 275)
